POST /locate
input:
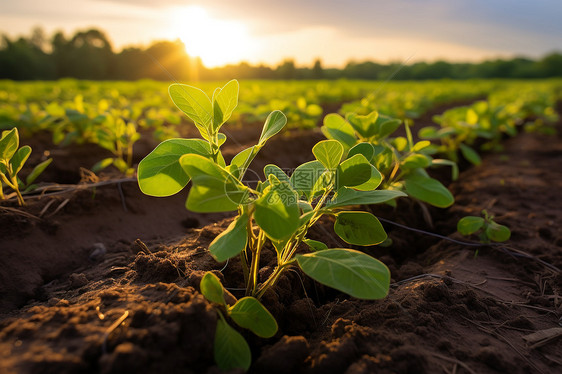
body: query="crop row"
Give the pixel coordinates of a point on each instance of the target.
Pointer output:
(363, 161)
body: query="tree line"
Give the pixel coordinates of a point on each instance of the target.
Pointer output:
(88, 54)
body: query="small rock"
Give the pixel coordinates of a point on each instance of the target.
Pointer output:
(98, 252)
(77, 280)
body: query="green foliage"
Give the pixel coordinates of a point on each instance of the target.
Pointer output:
(396, 162)
(231, 241)
(429, 190)
(349, 271)
(249, 313)
(12, 160)
(280, 210)
(160, 173)
(230, 348)
(486, 228)
(359, 228)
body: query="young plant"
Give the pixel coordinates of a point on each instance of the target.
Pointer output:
(231, 349)
(402, 162)
(12, 159)
(117, 136)
(486, 228)
(278, 211)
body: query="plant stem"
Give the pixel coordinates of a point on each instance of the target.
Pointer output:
(255, 265)
(273, 278)
(21, 201)
(13, 184)
(292, 246)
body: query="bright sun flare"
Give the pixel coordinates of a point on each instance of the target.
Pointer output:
(216, 42)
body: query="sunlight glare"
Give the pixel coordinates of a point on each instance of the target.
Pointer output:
(216, 42)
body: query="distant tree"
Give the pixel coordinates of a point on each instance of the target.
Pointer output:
(551, 65)
(168, 60)
(88, 55)
(317, 70)
(21, 59)
(287, 70)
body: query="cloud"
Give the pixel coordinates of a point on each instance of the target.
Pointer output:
(455, 28)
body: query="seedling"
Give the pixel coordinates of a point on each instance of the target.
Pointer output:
(231, 349)
(402, 162)
(117, 136)
(12, 159)
(486, 228)
(274, 215)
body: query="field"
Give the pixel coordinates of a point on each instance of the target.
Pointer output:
(97, 276)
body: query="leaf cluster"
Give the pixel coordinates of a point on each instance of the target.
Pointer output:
(486, 228)
(276, 214)
(12, 160)
(401, 161)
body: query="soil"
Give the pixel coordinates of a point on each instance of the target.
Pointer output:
(80, 294)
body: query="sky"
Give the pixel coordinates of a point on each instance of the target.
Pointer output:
(263, 31)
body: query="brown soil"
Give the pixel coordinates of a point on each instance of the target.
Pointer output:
(66, 277)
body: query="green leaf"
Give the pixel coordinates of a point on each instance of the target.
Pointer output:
(428, 132)
(469, 225)
(212, 289)
(224, 103)
(353, 171)
(221, 138)
(250, 314)
(194, 103)
(337, 128)
(277, 212)
(471, 117)
(429, 190)
(315, 245)
(348, 196)
(329, 153)
(231, 241)
(326, 181)
(400, 143)
(359, 228)
(470, 154)
(349, 271)
(231, 350)
(273, 124)
(271, 169)
(305, 176)
(385, 126)
(9, 144)
(421, 145)
(372, 183)
(244, 158)
(37, 171)
(497, 233)
(365, 149)
(19, 158)
(416, 160)
(160, 173)
(214, 189)
(120, 164)
(102, 164)
(364, 125)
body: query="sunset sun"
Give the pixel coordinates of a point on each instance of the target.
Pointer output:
(216, 42)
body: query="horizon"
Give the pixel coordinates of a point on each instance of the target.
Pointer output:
(335, 33)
